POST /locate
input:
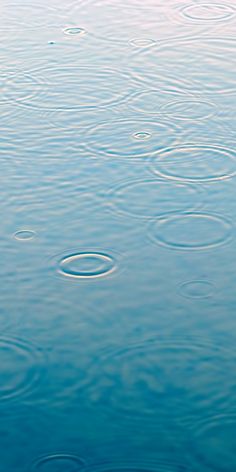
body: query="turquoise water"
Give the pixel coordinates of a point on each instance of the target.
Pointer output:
(118, 237)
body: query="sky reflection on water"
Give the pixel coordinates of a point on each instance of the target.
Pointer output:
(118, 239)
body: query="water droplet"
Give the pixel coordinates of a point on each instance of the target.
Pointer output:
(152, 198)
(189, 109)
(197, 289)
(142, 136)
(86, 265)
(208, 12)
(24, 235)
(191, 231)
(59, 463)
(19, 368)
(127, 139)
(195, 163)
(74, 31)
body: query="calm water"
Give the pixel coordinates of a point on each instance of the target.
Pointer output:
(118, 237)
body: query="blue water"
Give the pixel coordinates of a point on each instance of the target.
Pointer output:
(118, 237)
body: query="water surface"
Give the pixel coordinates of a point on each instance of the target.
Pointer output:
(118, 245)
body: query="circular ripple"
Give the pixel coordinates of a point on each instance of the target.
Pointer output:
(24, 235)
(142, 42)
(72, 121)
(151, 198)
(142, 136)
(208, 12)
(201, 66)
(152, 102)
(197, 289)
(21, 87)
(67, 88)
(189, 109)
(86, 265)
(74, 31)
(214, 443)
(130, 139)
(59, 462)
(191, 231)
(151, 380)
(19, 368)
(195, 163)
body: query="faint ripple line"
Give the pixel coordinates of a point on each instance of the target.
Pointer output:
(150, 382)
(67, 88)
(152, 198)
(212, 68)
(21, 368)
(58, 461)
(217, 430)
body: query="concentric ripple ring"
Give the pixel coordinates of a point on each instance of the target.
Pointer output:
(130, 139)
(152, 198)
(86, 265)
(208, 12)
(197, 289)
(24, 235)
(59, 462)
(195, 163)
(67, 88)
(189, 109)
(191, 231)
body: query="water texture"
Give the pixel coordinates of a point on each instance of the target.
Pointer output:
(118, 238)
